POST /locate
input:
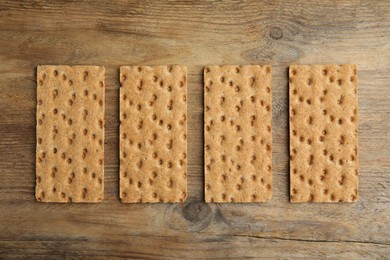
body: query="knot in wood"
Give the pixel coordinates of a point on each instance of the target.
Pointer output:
(196, 211)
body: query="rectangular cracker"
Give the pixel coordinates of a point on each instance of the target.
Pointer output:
(237, 133)
(70, 134)
(323, 133)
(153, 134)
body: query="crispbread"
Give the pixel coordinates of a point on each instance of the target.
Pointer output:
(238, 138)
(323, 133)
(70, 134)
(153, 134)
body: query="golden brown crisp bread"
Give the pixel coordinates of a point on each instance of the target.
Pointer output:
(153, 134)
(323, 133)
(237, 129)
(70, 134)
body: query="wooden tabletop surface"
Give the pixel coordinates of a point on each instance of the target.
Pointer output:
(194, 33)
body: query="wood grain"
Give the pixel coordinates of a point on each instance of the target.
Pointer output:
(193, 33)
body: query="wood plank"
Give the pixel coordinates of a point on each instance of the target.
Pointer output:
(193, 33)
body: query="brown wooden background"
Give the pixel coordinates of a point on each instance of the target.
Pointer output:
(194, 33)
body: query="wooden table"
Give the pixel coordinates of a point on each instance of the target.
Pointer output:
(194, 33)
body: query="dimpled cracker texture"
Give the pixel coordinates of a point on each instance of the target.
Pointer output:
(237, 132)
(70, 134)
(323, 133)
(153, 134)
